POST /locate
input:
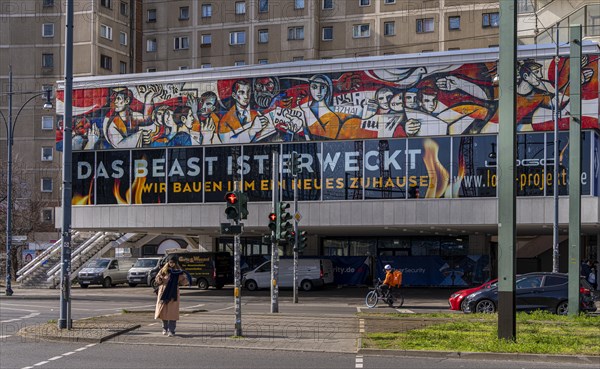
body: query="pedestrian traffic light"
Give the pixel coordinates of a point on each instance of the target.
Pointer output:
(302, 241)
(273, 222)
(285, 226)
(295, 162)
(243, 205)
(291, 237)
(232, 208)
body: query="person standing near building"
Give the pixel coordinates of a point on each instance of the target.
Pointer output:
(170, 277)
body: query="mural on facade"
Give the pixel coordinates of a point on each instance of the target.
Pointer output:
(385, 103)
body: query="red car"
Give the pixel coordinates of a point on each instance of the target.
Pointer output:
(456, 299)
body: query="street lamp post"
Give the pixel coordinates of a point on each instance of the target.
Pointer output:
(10, 130)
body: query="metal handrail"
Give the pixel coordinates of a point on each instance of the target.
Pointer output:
(92, 239)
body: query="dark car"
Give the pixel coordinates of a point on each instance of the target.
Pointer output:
(534, 291)
(206, 268)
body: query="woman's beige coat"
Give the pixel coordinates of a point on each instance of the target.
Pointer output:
(170, 310)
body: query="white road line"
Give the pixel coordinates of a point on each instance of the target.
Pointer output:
(80, 349)
(358, 362)
(27, 367)
(405, 311)
(55, 358)
(361, 325)
(41, 363)
(5, 336)
(31, 315)
(68, 353)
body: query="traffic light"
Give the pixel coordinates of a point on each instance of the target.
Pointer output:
(302, 241)
(295, 162)
(285, 226)
(243, 205)
(273, 222)
(291, 237)
(232, 209)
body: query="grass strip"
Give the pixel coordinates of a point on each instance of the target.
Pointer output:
(537, 333)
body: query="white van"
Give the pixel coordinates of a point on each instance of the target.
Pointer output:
(140, 272)
(311, 273)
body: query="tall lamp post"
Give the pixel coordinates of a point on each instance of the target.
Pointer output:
(10, 130)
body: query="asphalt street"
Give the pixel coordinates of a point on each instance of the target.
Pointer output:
(328, 312)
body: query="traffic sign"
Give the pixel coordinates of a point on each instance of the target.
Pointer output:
(297, 216)
(227, 228)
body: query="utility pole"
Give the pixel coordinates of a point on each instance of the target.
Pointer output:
(65, 288)
(555, 242)
(507, 203)
(274, 240)
(575, 169)
(296, 169)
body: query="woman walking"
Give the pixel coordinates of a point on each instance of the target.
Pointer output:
(167, 302)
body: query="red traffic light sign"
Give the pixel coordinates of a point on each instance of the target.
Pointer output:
(231, 198)
(272, 217)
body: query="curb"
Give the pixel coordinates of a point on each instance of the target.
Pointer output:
(73, 338)
(563, 359)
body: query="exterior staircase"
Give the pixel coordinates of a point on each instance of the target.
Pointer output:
(44, 271)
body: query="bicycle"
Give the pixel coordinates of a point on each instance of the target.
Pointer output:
(395, 299)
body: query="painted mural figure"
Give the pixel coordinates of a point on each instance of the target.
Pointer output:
(121, 125)
(241, 123)
(208, 121)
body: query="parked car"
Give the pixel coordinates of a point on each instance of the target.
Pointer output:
(206, 268)
(534, 291)
(107, 272)
(457, 299)
(140, 272)
(311, 273)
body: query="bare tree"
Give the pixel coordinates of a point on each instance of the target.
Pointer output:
(28, 205)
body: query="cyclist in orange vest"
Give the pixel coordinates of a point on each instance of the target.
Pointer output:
(388, 281)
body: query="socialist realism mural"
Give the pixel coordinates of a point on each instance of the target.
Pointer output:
(419, 132)
(386, 103)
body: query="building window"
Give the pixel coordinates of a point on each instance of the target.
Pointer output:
(237, 38)
(205, 65)
(124, 8)
(263, 6)
(151, 14)
(491, 20)
(48, 60)
(389, 2)
(181, 43)
(122, 67)
(184, 13)
(123, 38)
(298, 58)
(151, 45)
(206, 40)
(525, 6)
(47, 122)
(239, 63)
(106, 31)
(327, 33)
(296, 33)
(48, 30)
(48, 3)
(263, 36)
(424, 25)
(106, 3)
(361, 30)
(150, 70)
(454, 23)
(389, 28)
(47, 215)
(106, 62)
(263, 61)
(298, 4)
(46, 184)
(240, 8)
(327, 4)
(206, 10)
(183, 67)
(453, 48)
(46, 153)
(364, 2)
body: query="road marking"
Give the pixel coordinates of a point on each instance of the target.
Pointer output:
(405, 311)
(31, 314)
(359, 361)
(60, 356)
(361, 325)
(5, 336)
